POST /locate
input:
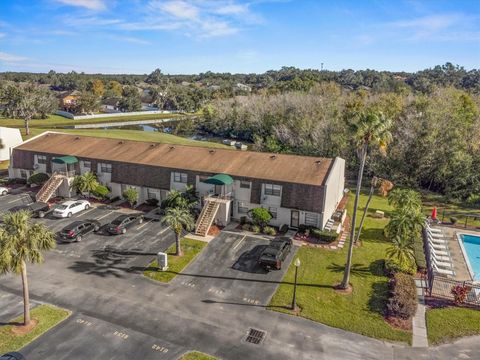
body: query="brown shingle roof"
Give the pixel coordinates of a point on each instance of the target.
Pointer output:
(258, 165)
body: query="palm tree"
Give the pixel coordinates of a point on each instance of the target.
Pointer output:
(22, 241)
(405, 199)
(371, 128)
(85, 183)
(401, 251)
(179, 219)
(405, 223)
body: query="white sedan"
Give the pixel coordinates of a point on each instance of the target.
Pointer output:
(68, 208)
(3, 190)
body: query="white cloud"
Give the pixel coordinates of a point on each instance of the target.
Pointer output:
(179, 9)
(429, 23)
(2, 35)
(11, 57)
(96, 5)
(231, 9)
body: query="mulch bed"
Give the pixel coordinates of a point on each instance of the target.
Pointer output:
(22, 329)
(215, 230)
(145, 208)
(399, 323)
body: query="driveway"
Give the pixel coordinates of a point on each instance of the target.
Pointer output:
(227, 271)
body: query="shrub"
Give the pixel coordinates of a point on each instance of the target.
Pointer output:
(246, 227)
(101, 192)
(323, 235)
(255, 228)
(260, 216)
(38, 179)
(403, 300)
(460, 293)
(131, 195)
(419, 253)
(453, 220)
(284, 229)
(392, 266)
(302, 228)
(152, 202)
(268, 230)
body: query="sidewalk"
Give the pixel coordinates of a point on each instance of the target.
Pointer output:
(419, 326)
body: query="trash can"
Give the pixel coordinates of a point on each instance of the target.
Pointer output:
(162, 261)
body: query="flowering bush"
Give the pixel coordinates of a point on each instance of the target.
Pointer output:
(459, 293)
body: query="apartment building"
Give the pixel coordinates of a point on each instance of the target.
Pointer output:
(295, 189)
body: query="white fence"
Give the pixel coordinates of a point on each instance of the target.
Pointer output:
(109, 115)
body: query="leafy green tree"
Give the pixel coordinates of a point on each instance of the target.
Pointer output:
(87, 102)
(405, 199)
(86, 182)
(370, 128)
(131, 195)
(187, 199)
(260, 216)
(22, 242)
(130, 100)
(179, 219)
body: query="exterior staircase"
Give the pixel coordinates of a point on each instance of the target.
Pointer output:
(329, 225)
(206, 217)
(49, 188)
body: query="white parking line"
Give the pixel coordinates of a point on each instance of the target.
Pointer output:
(104, 216)
(144, 223)
(12, 201)
(87, 211)
(162, 231)
(238, 244)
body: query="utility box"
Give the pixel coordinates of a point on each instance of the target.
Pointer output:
(162, 261)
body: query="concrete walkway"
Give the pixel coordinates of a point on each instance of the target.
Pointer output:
(419, 325)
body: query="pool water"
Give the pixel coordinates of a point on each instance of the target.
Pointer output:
(471, 243)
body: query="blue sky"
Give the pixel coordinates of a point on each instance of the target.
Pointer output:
(191, 36)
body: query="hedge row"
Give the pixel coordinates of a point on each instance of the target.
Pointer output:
(403, 296)
(419, 253)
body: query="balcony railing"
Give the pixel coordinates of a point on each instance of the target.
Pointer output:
(70, 173)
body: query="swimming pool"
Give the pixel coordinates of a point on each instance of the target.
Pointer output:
(471, 244)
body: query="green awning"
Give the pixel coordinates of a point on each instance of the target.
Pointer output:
(219, 179)
(65, 160)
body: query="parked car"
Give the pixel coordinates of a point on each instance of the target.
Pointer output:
(68, 208)
(4, 191)
(124, 222)
(78, 229)
(275, 253)
(12, 356)
(37, 209)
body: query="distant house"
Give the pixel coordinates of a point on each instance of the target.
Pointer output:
(68, 100)
(243, 87)
(110, 105)
(10, 138)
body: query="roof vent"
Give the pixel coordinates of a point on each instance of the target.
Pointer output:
(211, 151)
(120, 142)
(318, 162)
(172, 147)
(77, 138)
(273, 157)
(152, 145)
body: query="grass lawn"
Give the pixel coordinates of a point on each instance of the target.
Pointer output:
(153, 136)
(47, 316)
(195, 355)
(57, 120)
(446, 324)
(361, 311)
(191, 248)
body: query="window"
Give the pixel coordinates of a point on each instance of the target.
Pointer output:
(87, 164)
(41, 159)
(180, 177)
(105, 168)
(273, 212)
(24, 174)
(311, 219)
(242, 209)
(245, 184)
(153, 194)
(273, 190)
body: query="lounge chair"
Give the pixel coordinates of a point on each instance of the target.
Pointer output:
(439, 252)
(434, 230)
(437, 242)
(442, 271)
(435, 235)
(441, 264)
(442, 257)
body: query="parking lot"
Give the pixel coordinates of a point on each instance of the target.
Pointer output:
(227, 271)
(101, 253)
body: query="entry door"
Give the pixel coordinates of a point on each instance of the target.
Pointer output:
(295, 218)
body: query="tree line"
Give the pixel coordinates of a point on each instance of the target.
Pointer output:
(434, 136)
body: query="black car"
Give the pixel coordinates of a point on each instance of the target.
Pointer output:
(37, 209)
(124, 222)
(275, 253)
(12, 356)
(77, 230)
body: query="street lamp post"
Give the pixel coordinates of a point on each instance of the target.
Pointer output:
(294, 301)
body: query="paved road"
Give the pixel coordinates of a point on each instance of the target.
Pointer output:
(119, 314)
